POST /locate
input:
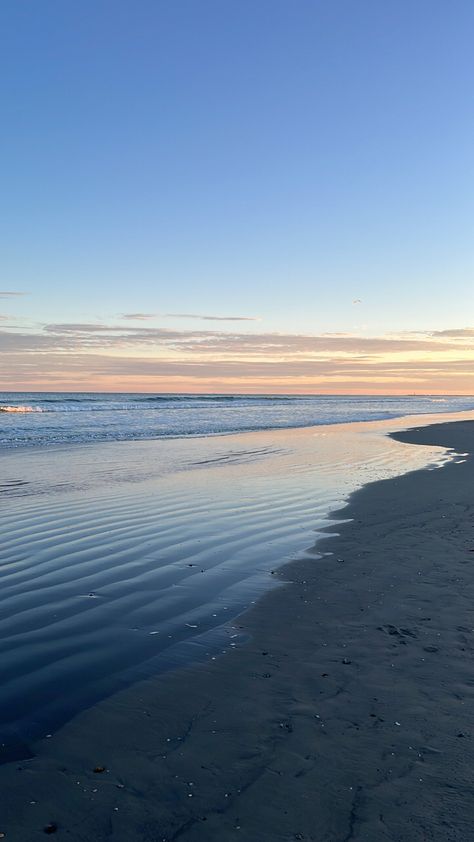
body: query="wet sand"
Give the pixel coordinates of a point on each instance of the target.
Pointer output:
(141, 562)
(348, 715)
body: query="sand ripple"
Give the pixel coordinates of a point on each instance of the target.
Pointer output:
(111, 582)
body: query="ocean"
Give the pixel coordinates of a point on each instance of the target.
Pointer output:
(45, 418)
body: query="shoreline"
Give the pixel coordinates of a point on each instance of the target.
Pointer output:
(117, 567)
(340, 726)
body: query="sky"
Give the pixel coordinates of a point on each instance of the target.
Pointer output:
(237, 196)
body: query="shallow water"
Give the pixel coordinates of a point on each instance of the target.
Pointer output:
(121, 559)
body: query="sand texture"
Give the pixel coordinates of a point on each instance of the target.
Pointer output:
(348, 715)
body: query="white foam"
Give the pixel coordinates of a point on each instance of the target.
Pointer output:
(20, 409)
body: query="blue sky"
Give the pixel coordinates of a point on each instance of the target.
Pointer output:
(252, 158)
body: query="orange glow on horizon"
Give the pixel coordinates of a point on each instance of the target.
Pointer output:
(76, 358)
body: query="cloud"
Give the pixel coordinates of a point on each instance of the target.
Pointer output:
(135, 373)
(212, 318)
(456, 333)
(140, 316)
(79, 328)
(206, 318)
(213, 343)
(5, 294)
(95, 355)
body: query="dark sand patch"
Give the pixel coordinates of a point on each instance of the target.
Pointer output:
(347, 717)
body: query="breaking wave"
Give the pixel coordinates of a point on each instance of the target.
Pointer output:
(20, 409)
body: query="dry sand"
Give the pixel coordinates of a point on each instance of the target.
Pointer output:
(348, 716)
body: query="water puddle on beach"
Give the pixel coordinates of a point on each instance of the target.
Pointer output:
(119, 560)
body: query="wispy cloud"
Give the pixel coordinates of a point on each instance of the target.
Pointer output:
(200, 317)
(6, 294)
(100, 355)
(81, 336)
(457, 333)
(80, 327)
(212, 318)
(139, 316)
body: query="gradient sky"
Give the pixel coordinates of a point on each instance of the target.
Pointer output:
(257, 195)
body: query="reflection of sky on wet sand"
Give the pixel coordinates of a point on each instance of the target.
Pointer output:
(321, 451)
(122, 554)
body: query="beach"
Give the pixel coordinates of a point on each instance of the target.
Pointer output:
(237, 422)
(346, 714)
(120, 560)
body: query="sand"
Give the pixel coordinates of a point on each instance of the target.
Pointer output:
(347, 715)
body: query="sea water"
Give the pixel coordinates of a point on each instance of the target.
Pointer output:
(41, 418)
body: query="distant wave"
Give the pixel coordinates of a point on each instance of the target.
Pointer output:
(62, 399)
(137, 403)
(214, 398)
(20, 409)
(130, 397)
